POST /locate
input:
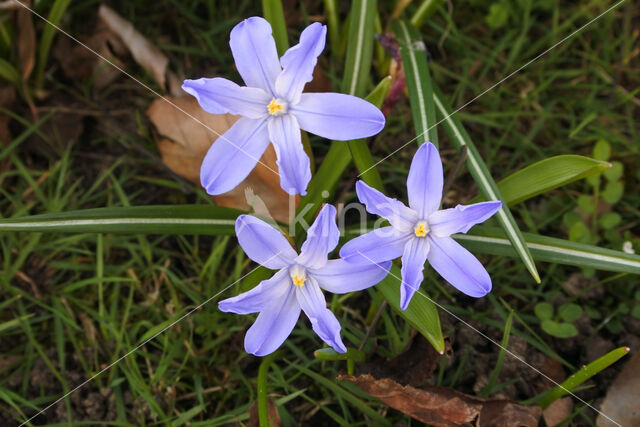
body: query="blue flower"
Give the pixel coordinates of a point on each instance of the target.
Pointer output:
(421, 232)
(274, 109)
(297, 284)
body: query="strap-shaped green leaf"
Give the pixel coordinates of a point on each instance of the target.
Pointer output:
(273, 12)
(490, 240)
(155, 219)
(485, 182)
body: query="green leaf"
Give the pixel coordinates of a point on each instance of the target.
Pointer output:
(414, 59)
(570, 312)
(153, 219)
(330, 354)
(609, 220)
(602, 150)
(425, 10)
(559, 330)
(543, 310)
(613, 191)
(579, 232)
(485, 182)
(359, 47)
(546, 175)
(46, 38)
(570, 384)
(272, 11)
(490, 240)
(635, 311)
(422, 313)
(585, 203)
(498, 15)
(10, 74)
(615, 172)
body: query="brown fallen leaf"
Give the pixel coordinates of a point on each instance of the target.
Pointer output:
(444, 407)
(558, 411)
(272, 409)
(26, 41)
(623, 395)
(183, 143)
(143, 51)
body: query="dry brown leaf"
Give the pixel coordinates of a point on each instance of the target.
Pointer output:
(143, 51)
(26, 42)
(623, 395)
(558, 411)
(183, 143)
(272, 409)
(444, 407)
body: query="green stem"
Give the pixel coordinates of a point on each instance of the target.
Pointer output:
(263, 402)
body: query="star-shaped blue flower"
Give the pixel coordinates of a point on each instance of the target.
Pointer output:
(421, 232)
(274, 109)
(297, 284)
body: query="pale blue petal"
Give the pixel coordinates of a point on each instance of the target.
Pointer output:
(234, 155)
(220, 96)
(299, 61)
(339, 276)
(424, 183)
(323, 322)
(273, 325)
(255, 54)
(379, 245)
(258, 298)
(461, 218)
(413, 259)
(293, 162)
(322, 238)
(400, 216)
(459, 267)
(263, 243)
(337, 116)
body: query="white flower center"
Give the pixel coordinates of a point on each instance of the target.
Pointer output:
(277, 107)
(421, 229)
(298, 275)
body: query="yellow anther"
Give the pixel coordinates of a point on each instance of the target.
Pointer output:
(275, 107)
(298, 280)
(421, 229)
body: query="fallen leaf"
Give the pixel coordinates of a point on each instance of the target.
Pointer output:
(26, 42)
(623, 395)
(444, 407)
(143, 51)
(272, 410)
(558, 411)
(183, 142)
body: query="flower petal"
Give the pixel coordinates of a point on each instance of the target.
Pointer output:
(219, 96)
(413, 259)
(459, 267)
(233, 155)
(273, 325)
(461, 218)
(323, 321)
(400, 216)
(339, 276)
(255, 54)
(299, 61)
(379, 245)
(258, 298)
(263, 243)
(293, 162)
(322, 238)
(338, 116)
(424, 183)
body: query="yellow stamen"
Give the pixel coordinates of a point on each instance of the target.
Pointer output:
(275, 107)
(298, 280)
(421, 229)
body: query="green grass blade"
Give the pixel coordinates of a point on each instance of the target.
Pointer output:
(155, 219)
(333, 24)
(46, 39)
(496, 370)
(330, 354)
(487, 185)
(425, 10)
(414, 59)
(9, 73)
(546, 175)
(422, 314)
(580, 377)
(359, 47)
(492, 241)
(263, 399)
(272, 11)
